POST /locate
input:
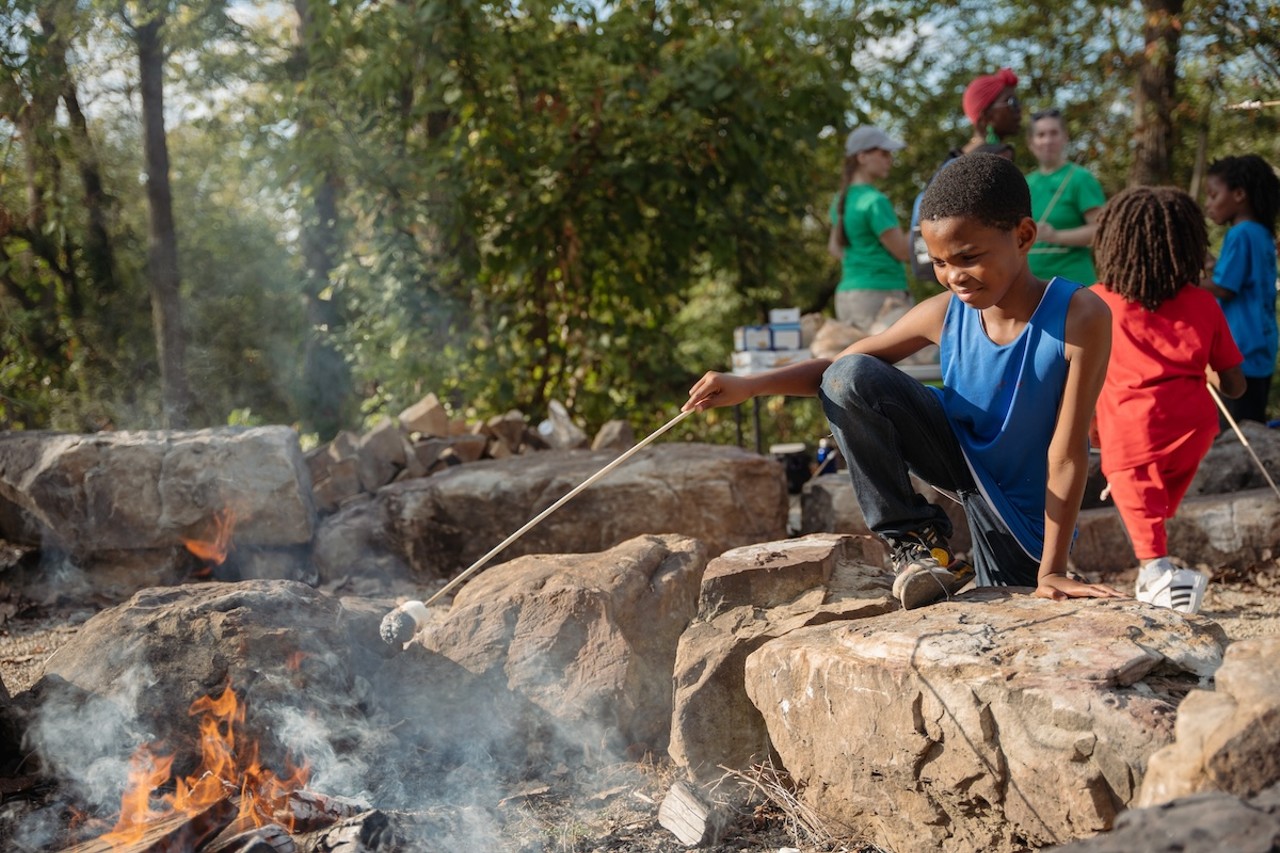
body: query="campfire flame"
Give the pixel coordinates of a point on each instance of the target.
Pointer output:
(223, 772)
(215, 550)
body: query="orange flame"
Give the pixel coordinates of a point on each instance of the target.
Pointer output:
(222, 772)
(215, 550)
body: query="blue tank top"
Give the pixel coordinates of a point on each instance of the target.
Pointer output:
(1002, 402)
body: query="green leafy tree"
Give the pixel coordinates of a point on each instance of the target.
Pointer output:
(540, 189)
(57, 258)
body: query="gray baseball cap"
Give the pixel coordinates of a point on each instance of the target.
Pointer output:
(869, 136)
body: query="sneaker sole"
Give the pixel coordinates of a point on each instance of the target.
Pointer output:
(918, 586)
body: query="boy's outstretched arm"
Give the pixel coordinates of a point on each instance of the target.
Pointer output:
(1088, 348)
(915, 330)
(725, 389)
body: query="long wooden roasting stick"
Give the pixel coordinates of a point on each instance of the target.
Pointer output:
(497, 549)
(1240, 435)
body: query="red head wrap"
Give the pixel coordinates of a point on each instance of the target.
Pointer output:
(982, 92)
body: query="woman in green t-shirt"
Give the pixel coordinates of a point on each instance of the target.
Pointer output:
(865, 234)
(1065, 201)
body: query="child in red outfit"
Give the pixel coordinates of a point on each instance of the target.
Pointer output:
(1156, 418)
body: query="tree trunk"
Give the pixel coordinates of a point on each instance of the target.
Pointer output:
(98, 250)
(326, 377)
(162, 245)
(1154, 96)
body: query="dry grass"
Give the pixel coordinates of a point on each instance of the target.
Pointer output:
(766, 788)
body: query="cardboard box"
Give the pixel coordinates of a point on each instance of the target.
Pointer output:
(784, 336)
(783, 315)
(751, 338)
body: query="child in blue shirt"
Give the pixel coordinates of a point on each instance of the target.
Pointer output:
(1244, 193)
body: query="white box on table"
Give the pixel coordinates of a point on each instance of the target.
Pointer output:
(751, 338)
(784, 336)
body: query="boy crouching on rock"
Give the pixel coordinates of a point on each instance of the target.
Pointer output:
(1023, 361)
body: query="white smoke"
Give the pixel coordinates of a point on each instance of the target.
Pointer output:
(88, 742)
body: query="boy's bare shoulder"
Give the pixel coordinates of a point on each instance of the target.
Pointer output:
(1088, 304)
(1088, 316)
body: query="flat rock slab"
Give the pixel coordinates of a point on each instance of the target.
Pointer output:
(145, 490)
(990, 722)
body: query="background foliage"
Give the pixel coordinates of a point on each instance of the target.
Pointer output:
(510, 203)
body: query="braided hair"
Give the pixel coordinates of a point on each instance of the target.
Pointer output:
(1150, 242)
(1258, 180)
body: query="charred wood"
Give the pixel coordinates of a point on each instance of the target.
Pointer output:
(271, 838)
(179, 833)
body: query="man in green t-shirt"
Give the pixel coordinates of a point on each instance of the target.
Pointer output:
(1065, 202)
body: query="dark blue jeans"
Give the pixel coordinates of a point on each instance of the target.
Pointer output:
(889, 425)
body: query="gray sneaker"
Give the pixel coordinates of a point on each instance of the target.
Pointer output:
(925, 570)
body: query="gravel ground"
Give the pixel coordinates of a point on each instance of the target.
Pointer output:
(617, 811)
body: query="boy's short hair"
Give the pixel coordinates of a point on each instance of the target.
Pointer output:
(985, 187)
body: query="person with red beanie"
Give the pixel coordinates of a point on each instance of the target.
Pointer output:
(991, 105)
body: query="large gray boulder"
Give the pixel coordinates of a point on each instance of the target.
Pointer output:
(132, 673)
(312, 677)
(992, 722)
(118, 491)
(439, 525)
(588, 638)
(1229, 467)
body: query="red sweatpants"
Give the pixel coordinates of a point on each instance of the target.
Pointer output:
(1149, 494)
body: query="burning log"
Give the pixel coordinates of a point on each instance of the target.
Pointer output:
(370, 831)
(264, 839)
(178, 833)
(227, 827)
(296, 812)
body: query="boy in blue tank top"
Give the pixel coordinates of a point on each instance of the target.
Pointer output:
(1023, 361)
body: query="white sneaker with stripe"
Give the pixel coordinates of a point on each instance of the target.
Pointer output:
(1164, 584)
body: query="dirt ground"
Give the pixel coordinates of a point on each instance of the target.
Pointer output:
(617, 810)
